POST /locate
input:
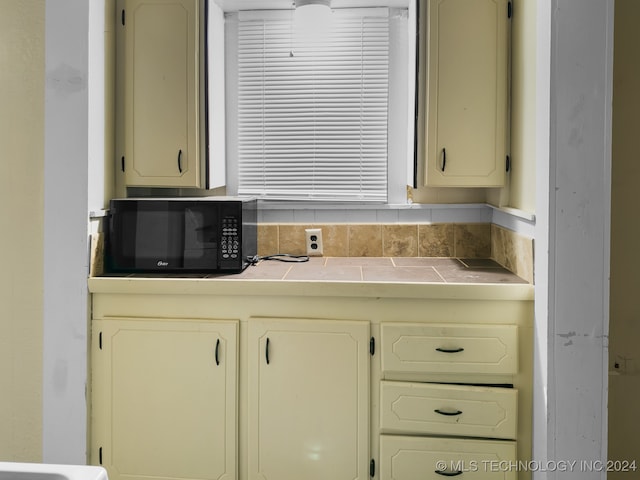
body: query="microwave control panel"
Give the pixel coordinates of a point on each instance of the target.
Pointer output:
(230, 241)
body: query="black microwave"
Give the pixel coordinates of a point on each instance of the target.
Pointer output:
(181, 235)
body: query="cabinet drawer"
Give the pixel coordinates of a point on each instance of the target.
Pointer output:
(455, 410)
(449, 348)
(419, 458)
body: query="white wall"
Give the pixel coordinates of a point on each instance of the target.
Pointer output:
(572, 295)
(542, 260)
(66, 159)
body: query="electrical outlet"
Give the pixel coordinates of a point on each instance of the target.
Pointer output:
(313, 237)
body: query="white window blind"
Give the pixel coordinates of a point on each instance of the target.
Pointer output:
(312, 117)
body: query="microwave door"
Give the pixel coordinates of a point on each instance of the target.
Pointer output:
(200, 238)
(159, 239)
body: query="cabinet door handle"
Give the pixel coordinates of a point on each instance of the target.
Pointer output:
(449, 474)
(217, 352)
(180, 161)
(266, 351)
(449, 414)
(450, 350)
(444, 159)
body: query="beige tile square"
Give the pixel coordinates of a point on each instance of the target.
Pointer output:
(360, 261)
(479, 275)
(365, 241)
(513, 251)
(96, 265)
(472, 240)
(499, 246)
(436, 262)
(318, 272)
(524, 251)
(436, 240)
(265, 270)
(401, 274)
(291, 239)
(335, 239)
(400, 240)
(267, 239)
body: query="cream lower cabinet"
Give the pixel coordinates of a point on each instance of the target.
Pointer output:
(164, 398)
(308, 399)
(309, 386)
(451, 419)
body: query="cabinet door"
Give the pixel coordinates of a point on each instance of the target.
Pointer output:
(467, 53)
(308, 399)
(164, 399)
(161, 93)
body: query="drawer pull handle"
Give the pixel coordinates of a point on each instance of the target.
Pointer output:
(450, 350)
(450, 414)
(217, 353)
(449, 474)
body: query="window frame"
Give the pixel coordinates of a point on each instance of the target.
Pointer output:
(401, 116)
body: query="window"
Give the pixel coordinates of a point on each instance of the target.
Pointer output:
(313, 120)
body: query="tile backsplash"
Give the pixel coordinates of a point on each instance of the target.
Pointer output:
(461, 240)
(512, 251)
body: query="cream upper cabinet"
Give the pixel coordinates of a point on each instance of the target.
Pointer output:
(308, 400)
(162, 91)
(466, 97)
(164, 399)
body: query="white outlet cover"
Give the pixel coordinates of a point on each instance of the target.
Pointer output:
(314, 247)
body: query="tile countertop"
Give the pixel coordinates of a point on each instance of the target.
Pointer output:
(339, 276)
(382, 269)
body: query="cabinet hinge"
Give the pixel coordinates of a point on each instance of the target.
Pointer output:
(122, 17)
(508, 164)
(509, 9)
(100, 455)
(372, 468)
(100, 340)
(372, 346)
